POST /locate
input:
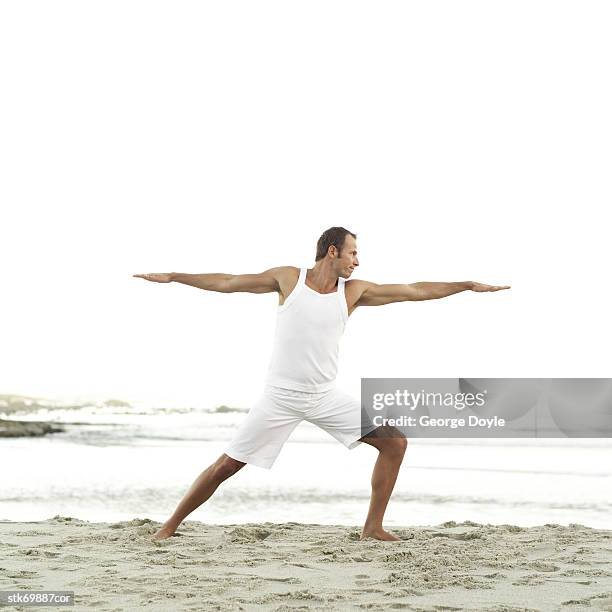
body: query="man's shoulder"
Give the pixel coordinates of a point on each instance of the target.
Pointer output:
(357, 284)
(355, 288)
(284, 272)
(286, 277)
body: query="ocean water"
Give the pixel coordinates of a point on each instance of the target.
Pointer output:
(117, 461)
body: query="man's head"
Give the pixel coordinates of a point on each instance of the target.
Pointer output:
(339, 247)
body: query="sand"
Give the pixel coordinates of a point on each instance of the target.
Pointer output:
(294, 566)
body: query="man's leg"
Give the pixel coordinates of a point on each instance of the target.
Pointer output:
(342, 416)
(202, 488)
(391, 447)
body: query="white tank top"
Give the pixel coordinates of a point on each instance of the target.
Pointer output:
(309, 326)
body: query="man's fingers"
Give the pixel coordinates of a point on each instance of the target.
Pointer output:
(482, 287)
(157, 277)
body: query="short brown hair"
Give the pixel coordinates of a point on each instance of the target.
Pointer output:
(334, 236)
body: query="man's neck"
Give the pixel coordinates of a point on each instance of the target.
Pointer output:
(322, 278)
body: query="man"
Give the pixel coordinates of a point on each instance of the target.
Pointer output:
(314, 305)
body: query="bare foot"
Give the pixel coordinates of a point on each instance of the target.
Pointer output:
(163, 533)
(379, 534)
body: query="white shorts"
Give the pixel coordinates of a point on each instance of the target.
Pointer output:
(278, 412)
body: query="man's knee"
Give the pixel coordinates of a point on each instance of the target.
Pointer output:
(226, 466)
(387, 439)
(394, 446)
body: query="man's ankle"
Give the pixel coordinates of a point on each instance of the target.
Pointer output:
(372, 527)
(170, 524)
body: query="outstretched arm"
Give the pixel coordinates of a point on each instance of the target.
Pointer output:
(378, 295)
(265, 282)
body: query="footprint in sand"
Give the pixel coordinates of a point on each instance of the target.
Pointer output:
(244, 535)
(529, 580)
(542, 566)
(541, 550)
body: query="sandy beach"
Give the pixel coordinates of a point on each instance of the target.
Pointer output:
(294, 566)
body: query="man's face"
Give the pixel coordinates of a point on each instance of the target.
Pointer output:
(347, 261)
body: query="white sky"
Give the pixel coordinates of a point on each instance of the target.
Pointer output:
(459, 140)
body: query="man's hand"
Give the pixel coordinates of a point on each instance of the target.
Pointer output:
(482, 287)
(156, 277)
